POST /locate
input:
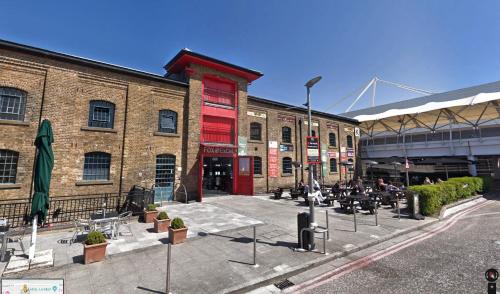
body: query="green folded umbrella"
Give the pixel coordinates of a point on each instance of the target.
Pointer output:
(43, 171)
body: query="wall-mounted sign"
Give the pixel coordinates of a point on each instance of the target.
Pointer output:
(350, 152)
(357, 132)
(342, 149)
(217, 150)
(333, 154)
(242, 145)
(312, 151)
(315, 124)
(272, 164)
(343, 156)
(286, 147)
(256, 114)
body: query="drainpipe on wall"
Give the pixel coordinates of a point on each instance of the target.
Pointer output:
(301, 153)
(123, 143)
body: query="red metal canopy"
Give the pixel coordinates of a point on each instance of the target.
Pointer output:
(185, 57)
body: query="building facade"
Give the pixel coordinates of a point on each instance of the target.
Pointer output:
(116, 127)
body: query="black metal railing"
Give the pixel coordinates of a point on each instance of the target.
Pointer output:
(68, 208)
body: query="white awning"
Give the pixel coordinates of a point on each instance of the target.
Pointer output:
(430, 106)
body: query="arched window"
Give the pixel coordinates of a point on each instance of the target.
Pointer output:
(257, 165)
(349, 141)
(96, 166)
(332, 139)
(8, 166)
(287, 166)
(167, 122)
(12, 104)
(333, 165)
(255, 131)
(101, 114)
(286, 135)
(165, 170)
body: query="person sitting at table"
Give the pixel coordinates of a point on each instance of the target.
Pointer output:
(427, 181)
(380, 185)
(301, 187)
(317, 192)
(390, 187)
(336, 187)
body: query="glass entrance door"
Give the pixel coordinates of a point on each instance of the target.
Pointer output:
(217, 175)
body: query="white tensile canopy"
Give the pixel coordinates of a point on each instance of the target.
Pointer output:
(470, 107)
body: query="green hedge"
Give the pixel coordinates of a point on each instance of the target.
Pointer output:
(433, 197)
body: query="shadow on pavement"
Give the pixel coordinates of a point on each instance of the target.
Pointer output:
(150, 290)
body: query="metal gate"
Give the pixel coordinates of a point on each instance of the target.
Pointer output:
(165, 175)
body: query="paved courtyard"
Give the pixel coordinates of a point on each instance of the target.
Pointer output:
(218, 257)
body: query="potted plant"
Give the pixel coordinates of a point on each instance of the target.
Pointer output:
(150, 213)
(94, 249)
(177, 232)
(162, 222)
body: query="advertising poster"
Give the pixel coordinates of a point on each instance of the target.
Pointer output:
(312, 151)
(324, 160)
(242, 146)
(273, 160)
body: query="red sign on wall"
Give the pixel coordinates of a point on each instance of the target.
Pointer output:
(273, 160)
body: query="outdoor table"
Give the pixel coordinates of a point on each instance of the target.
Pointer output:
(101, 218)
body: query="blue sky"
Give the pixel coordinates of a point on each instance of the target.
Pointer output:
(434, 45)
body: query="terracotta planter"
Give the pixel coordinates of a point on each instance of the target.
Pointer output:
(161, 225)
(94, 253)
(149, 216)
(177, 236)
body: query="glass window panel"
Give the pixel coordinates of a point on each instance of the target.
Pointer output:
(168, 121)
(101, 114)
(287, 165)
(96, 166)
(8, 166)
(257, 165)
(12, 104)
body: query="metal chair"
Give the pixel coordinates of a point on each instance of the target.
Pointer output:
(82, 226)
(124, 218)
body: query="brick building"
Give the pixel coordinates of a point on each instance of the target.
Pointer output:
(116, 127)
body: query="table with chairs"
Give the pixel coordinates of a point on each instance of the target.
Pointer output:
(108, 223)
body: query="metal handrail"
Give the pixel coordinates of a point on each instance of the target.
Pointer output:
(176, 185)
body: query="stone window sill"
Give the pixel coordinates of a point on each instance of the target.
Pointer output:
(286, 175)
(332, 147)
(95, 129)
(92, 183)
(334, 173)
(14, 123)
(258, 176)
(256, 141)
(166, 134)
(10, 186)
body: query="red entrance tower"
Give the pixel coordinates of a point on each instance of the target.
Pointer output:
(220, 169)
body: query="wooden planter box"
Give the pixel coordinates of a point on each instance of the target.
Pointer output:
(161, 225)
(149, 216)
(94, 253)
(177, 236)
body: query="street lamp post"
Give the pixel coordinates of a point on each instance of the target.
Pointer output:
(310, 197)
